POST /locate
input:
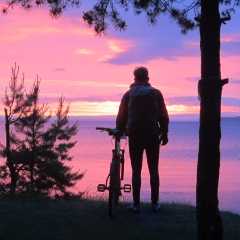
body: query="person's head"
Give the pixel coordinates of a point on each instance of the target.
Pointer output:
(140, 74)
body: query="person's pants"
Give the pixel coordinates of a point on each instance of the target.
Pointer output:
(137, 144)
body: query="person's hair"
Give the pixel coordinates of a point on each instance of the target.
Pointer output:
(140, 74)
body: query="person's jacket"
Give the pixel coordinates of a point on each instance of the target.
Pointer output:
(142, 109)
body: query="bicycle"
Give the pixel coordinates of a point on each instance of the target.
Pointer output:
(116, 172)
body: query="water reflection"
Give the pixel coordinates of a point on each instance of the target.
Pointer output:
(178, 163)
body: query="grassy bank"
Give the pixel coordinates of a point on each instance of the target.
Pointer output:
(33, 219)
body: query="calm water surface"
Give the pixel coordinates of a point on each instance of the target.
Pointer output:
(177, 166)
(178, 162)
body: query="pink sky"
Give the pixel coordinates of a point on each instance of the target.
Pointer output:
(92, 73)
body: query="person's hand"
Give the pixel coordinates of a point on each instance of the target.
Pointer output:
(163, 139)
(116, 132)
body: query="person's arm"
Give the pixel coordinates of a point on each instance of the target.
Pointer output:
(122, 117)
(163, 117)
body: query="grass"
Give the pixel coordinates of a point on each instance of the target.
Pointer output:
(34, 218)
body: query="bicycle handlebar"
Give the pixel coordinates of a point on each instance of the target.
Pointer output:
(111, 131)
(104, 129)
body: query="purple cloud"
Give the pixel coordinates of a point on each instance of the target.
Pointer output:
(185, 100)
(193, 101)
(60, 69)
(230, 101)
(233, 81)
(69, 99)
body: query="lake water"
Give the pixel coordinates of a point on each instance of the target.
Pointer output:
(177, 166)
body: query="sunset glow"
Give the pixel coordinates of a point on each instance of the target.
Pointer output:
(93, 73)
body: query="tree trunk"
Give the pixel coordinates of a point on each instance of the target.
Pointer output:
(33, 150)
(210, 89)
(32, 168)
(9, 161)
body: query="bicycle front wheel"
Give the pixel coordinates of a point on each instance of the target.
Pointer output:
(114, 189)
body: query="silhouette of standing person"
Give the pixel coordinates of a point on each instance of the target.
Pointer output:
(143, 115)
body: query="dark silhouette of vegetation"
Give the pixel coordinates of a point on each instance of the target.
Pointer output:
(189, 14)
(38, 149)
(56, 7)
(41, 218)
(17, 103)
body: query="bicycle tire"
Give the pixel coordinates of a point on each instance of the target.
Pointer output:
(111, 192)
(117, 186)
(114, 189)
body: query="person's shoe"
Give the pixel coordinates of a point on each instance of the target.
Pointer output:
(155, 208)
(134, 208)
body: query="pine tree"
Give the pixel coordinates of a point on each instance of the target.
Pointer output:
(17, 102)
(57, 176)
(48, 149)
(36, 149)
(30, 125)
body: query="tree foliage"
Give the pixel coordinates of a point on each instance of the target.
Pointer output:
(56, 6)
(17, 102)
(39, 147)
(103, 12)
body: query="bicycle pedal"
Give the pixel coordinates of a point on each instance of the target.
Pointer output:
(127, 188)
(101, 187)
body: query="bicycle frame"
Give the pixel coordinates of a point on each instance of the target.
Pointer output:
(116, 173)
(118, 155)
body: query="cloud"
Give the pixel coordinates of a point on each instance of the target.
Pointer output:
(183, 100)
(192, 79)
(105, 58)
(43, 30)
(60, 69)
(234, 81)
(114, 46)
(146, 42)
(90, 98)
(76, 84)
(196, 79)
(83, 51)
(230, 43)
(149, 49)
(231, 101)
(230, 48)
(151, 42)
(164, 40)
(193, 101)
